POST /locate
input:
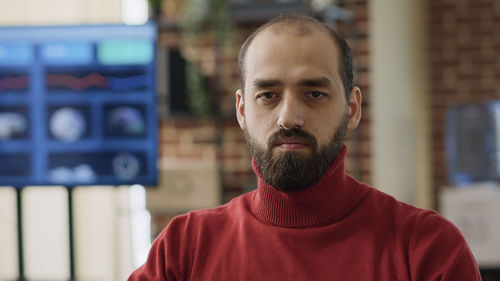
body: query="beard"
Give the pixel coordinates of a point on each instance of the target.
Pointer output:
(293, 170)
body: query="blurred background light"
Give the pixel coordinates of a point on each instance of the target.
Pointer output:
(134, 12)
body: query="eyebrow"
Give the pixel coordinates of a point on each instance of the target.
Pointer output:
(308, 82)
(266, 83)
(315, 82)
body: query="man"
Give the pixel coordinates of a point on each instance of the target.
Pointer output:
(308, 219)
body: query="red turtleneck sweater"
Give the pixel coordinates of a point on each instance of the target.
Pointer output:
(338, 229)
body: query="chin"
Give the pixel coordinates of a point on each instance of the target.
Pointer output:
(280, 152)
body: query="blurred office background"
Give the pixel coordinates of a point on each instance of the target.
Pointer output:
(424, 68)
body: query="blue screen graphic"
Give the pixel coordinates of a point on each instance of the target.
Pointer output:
(78, 105)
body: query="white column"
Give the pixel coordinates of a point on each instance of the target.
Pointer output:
(95, 235)
(46, 233)
(400, 128)
(8, 234)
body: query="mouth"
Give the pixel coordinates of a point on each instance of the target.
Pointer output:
(292, 144)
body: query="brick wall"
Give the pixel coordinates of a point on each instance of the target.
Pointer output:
(359, 156)
(464, 59)
(220, 138)
(186, 137)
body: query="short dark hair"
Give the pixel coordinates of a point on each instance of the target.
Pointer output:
(303, 23)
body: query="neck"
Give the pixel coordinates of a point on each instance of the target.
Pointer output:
(324, 202)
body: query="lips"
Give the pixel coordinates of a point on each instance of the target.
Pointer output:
(294, 139)
(292, 143)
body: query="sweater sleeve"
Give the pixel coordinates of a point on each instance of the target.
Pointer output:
(163, 262)
(439, 252)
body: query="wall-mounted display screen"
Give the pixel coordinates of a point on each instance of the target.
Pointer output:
(473, 143)
(78, 105)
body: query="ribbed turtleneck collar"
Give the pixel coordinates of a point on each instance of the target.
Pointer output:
(325, 202)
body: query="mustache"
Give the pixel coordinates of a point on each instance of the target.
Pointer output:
(295, 133)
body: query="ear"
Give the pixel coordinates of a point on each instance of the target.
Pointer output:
(354, 108)
(240, 108)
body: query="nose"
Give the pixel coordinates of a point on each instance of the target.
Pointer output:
(290, 114)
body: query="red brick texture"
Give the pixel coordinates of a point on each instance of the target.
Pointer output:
(464, 60)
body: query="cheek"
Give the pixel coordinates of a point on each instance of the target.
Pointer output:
(260, 127)
(324, 128)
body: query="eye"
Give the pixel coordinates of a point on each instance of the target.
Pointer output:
(316, 94)
(266, 96)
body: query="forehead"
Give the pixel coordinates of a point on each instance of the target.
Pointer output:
(289, 52)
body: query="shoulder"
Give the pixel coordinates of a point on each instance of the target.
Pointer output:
(432, 231)
(185, 232)
(173, 250)
(213, 217)
(379, 203)
(437, 250)
(415, 223)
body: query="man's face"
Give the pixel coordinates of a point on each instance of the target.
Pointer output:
(293, 106)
